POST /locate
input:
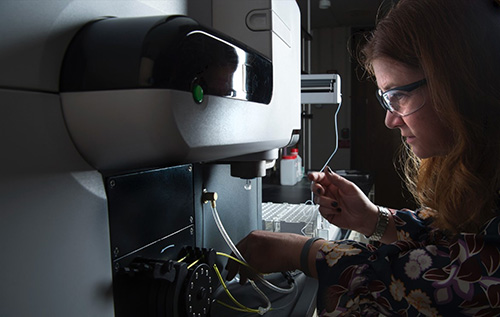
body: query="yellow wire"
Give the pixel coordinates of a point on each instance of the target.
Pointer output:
(233, 308)
(192, 264)
(241, 307)
(235, 259)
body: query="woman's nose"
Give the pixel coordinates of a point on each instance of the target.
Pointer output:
(392, 121)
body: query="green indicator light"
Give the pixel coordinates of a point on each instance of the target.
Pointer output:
(198, 93)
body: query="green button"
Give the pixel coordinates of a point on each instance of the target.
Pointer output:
(197, 93)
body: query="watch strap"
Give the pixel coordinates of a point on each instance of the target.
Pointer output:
(382, 222)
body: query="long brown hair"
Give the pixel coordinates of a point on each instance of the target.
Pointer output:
(456, 43)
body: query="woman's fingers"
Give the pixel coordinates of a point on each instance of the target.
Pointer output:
(340, 183)
(318, 177)
(331, 217)
(266, 252)
(328, 202)
(234, 268)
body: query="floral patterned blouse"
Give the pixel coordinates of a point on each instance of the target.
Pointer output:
(421, 274)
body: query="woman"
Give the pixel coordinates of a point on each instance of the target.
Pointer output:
(437, 67)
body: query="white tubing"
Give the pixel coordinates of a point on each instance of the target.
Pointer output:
(240, 257)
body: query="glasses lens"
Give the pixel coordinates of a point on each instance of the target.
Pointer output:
(404, 103)
(401, 102)
(383, 102)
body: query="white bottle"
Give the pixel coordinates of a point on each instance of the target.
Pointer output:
(288, 170)
(300, 174)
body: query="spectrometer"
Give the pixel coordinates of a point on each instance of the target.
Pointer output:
(116, 118)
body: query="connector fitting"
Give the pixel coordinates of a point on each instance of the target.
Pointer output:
(209, 197)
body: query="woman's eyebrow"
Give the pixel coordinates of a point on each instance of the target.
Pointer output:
(387, 86)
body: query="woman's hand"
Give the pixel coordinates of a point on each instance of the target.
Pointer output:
(267, 252)
(342, 203)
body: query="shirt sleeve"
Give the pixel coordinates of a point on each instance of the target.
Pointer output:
(421, 273)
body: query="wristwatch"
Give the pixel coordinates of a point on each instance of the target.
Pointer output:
(382, 222)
